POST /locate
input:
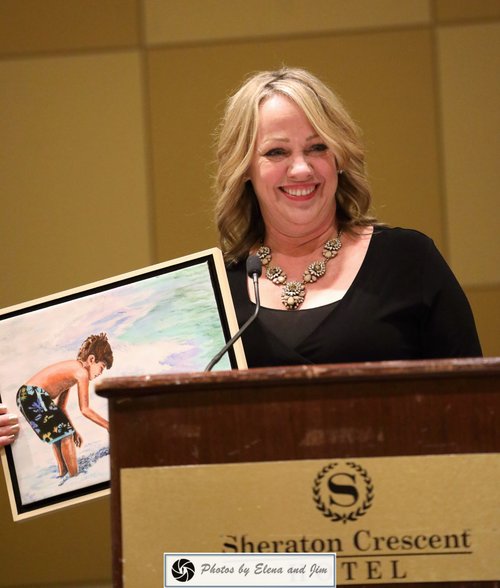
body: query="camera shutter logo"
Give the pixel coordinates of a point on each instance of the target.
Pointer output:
(343, 491)
(183, 570)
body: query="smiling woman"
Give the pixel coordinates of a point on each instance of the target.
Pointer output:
(339, 286)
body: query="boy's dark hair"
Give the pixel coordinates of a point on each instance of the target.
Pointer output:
(99, 347)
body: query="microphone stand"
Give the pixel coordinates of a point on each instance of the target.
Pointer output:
(255, 279)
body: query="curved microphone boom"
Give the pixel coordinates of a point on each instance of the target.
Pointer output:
(254, 271)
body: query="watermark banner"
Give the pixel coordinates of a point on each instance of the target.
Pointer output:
(244, 569)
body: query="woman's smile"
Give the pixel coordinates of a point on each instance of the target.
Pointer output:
(304, 192)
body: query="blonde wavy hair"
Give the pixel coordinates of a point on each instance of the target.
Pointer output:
(237, 212)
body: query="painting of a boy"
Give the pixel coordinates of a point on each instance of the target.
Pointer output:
(43, 398)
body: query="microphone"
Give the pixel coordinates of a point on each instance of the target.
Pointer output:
(254, 267)
(254, 271)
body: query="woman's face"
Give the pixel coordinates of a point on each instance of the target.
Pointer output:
(292, 171)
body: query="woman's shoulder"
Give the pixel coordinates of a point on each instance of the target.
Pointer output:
(401, 237)
(236, 275)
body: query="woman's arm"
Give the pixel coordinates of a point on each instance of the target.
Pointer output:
(449, 329)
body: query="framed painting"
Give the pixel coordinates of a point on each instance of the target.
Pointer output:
(170, 317)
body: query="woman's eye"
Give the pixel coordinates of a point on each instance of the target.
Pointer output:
(276, 152)
(318, 148)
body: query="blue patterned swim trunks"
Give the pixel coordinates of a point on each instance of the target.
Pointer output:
(44, 416)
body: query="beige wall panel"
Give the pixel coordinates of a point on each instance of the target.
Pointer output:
(72, 171)
(385, 79)
(31, 26)
(70, 546)
(181, 21)
(470, 87)
(485, 304)
(453, 10)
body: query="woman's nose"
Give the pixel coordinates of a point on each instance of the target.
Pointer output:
(299, 168)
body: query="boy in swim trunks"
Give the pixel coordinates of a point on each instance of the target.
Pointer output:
(43, 398)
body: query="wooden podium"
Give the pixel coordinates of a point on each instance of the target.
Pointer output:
(264, 415)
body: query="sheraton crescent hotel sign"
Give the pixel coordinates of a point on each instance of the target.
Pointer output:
(388, 520)
(365, 556)
(343, 492)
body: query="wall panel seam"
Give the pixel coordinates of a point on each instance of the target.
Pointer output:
(148, 144)
(438, 105)
(288, 36)
(69, 53)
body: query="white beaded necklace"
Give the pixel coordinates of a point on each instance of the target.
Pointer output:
(294, 292)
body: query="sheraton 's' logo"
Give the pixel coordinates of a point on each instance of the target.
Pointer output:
(343, 491)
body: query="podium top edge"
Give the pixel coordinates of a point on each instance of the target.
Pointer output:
(274, 376)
